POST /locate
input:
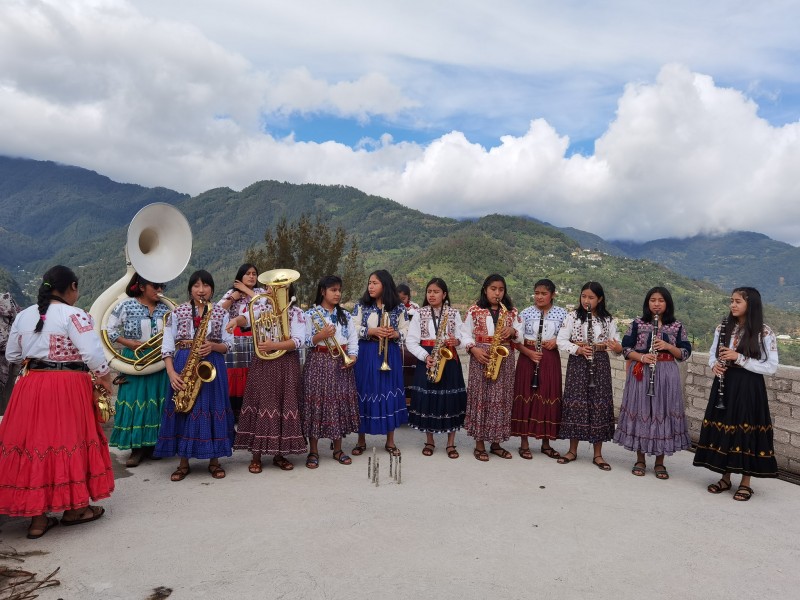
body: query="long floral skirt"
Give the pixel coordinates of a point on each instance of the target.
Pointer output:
(537, 412)
(738, 438)
(53, 454)
(489, 402)
(438, 407)
(381, 394)
(654, 425)
(139, 406)
(207, 430)
(270, 419)
(330, 398)
(587, 414)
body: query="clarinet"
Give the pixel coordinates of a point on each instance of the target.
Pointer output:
(535, 382)
(590, 343)
(651, 386)
(722, 343)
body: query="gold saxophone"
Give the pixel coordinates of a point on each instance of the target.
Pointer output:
(195, 372)
(497, 352)
(441, 353)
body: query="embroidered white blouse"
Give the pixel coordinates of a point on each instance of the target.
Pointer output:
(575, 330)
(765, 365)
(297, 322)
(553, 320)
(345, 334)
(422, 328)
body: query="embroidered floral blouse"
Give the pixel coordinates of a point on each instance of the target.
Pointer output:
(180, 327)
(478, 322)
(345, 334)
(68, 335)
(239, 307)
(575, 330)
(132, 320)
(365, 317)
(637, 338)
(297, 321)
(553, 319)
(423, 328)
(766, 364)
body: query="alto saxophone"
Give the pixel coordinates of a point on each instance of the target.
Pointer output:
(441, 353)
(195, 372)
(497, 352)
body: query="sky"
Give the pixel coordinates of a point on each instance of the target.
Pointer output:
(632, 120)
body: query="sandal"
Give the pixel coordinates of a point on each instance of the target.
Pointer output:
(97, 512)
(358, 450)
(602, 465)
(743, 493)
(525, 453)
(428, 449)
(281, 462)
(661, 472)
(343, 459)
(719, 487)
(499, 451)
(255, 467)
(550, 452)
(637, 470)
(480, 455)
(393, 450)
(135, 458)
(452, 452)
(562, 460)
(51, 522)
(180, 473)
(312, 460)
(216, 470)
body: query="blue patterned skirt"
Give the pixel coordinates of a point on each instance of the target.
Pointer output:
(381, 394)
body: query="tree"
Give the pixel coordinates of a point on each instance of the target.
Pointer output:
(314, 249)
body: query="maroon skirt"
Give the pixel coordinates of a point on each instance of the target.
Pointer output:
(537, 412)
(489, 402)
(330, 398)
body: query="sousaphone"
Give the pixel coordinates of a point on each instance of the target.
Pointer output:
(158, 248)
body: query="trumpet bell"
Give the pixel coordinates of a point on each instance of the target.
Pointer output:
(159, 242)
(279, 277)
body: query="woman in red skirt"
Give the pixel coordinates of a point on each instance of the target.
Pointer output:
(53, 454)
(537, 386)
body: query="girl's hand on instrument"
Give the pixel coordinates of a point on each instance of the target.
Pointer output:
(728, 354)
(327, 331)
(585, 351)
(509, 333)
(535, 356)
(718, 369)
(648, 358)
(481, 355)
(452, 342)
(429, 362)
(106, 383)
(350, 366)
(176, 382)
(267, 346)
(206, 348)
(549, 344)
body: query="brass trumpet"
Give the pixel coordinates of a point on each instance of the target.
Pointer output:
(149, 352)
(383, 343)
(334, 347)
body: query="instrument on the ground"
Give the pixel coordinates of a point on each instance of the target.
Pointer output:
(590, 343)
(497, 352)
(535, 382)
(159, 245)
(441, 353)
(383, 343)
(722, 342)
(334, 347)
(651, 385)
(273, 324)
(196, 371)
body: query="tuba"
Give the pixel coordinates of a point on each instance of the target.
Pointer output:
(159, 245)
(273, 325)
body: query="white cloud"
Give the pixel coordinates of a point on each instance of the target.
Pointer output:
(115, 87)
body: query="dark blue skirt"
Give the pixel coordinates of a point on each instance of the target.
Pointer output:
(438, 407)
(205, 432)
(381, 394)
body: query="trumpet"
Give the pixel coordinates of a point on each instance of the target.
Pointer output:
(145, 354)
(334, 347)
(383, 343)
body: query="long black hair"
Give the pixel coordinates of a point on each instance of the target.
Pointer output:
(438, 282)
(244, 269)
(483, 301)
(751, 341)
(205, 277)
(55, 282)
(323, 284)
(389, 296)
(601, 310)
(669, 313)
(135, 286)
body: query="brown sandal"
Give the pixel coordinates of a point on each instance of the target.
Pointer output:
(180, 473)
(525, 453)
(562, 460)
(550, 452)
(216, 470)
(481, 455)
(452, 452)
(500, 451)
(358, 450)
(427, 450)
(255, 467)
(281, 462)
(97, 512)
(719, 487)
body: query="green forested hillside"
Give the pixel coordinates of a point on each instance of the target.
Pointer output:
(412, 245)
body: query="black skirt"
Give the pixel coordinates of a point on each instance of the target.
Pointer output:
(738, 439)
(438, 407)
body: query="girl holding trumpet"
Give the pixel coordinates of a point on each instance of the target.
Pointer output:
(437, 406)
(330, 397)
(140, 401)
(382, 324)
(652, 418)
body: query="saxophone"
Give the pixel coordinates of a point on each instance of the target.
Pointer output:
(195, 372)
(441, 353)
(497, 352)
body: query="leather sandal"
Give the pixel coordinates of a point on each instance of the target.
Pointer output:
(97, 512)
(500, 451)
(743, 493)
(393, 450)
(661, 472)
(180, 473)
(342, 458)
(312, 460)
(40, 531)
(216, 470)
(358, 450)
(637, 470)
(602, 465)
(525, 453)
(481, 455)
(427, 450)
(566, 458)
(550, 452)
(719, 487)
(282, 463)
(255, 467)
(452, 452)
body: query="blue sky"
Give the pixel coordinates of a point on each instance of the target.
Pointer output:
(573, 112)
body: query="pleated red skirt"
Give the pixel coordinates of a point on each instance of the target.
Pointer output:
(53, 453)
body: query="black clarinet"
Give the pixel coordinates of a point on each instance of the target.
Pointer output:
(651, 386)
(535, 382)
(590, 343)
(722, 343)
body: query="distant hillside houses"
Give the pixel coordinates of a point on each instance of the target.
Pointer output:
(588, 254)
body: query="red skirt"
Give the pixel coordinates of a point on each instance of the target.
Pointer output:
(53, 454)
(537, 412)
